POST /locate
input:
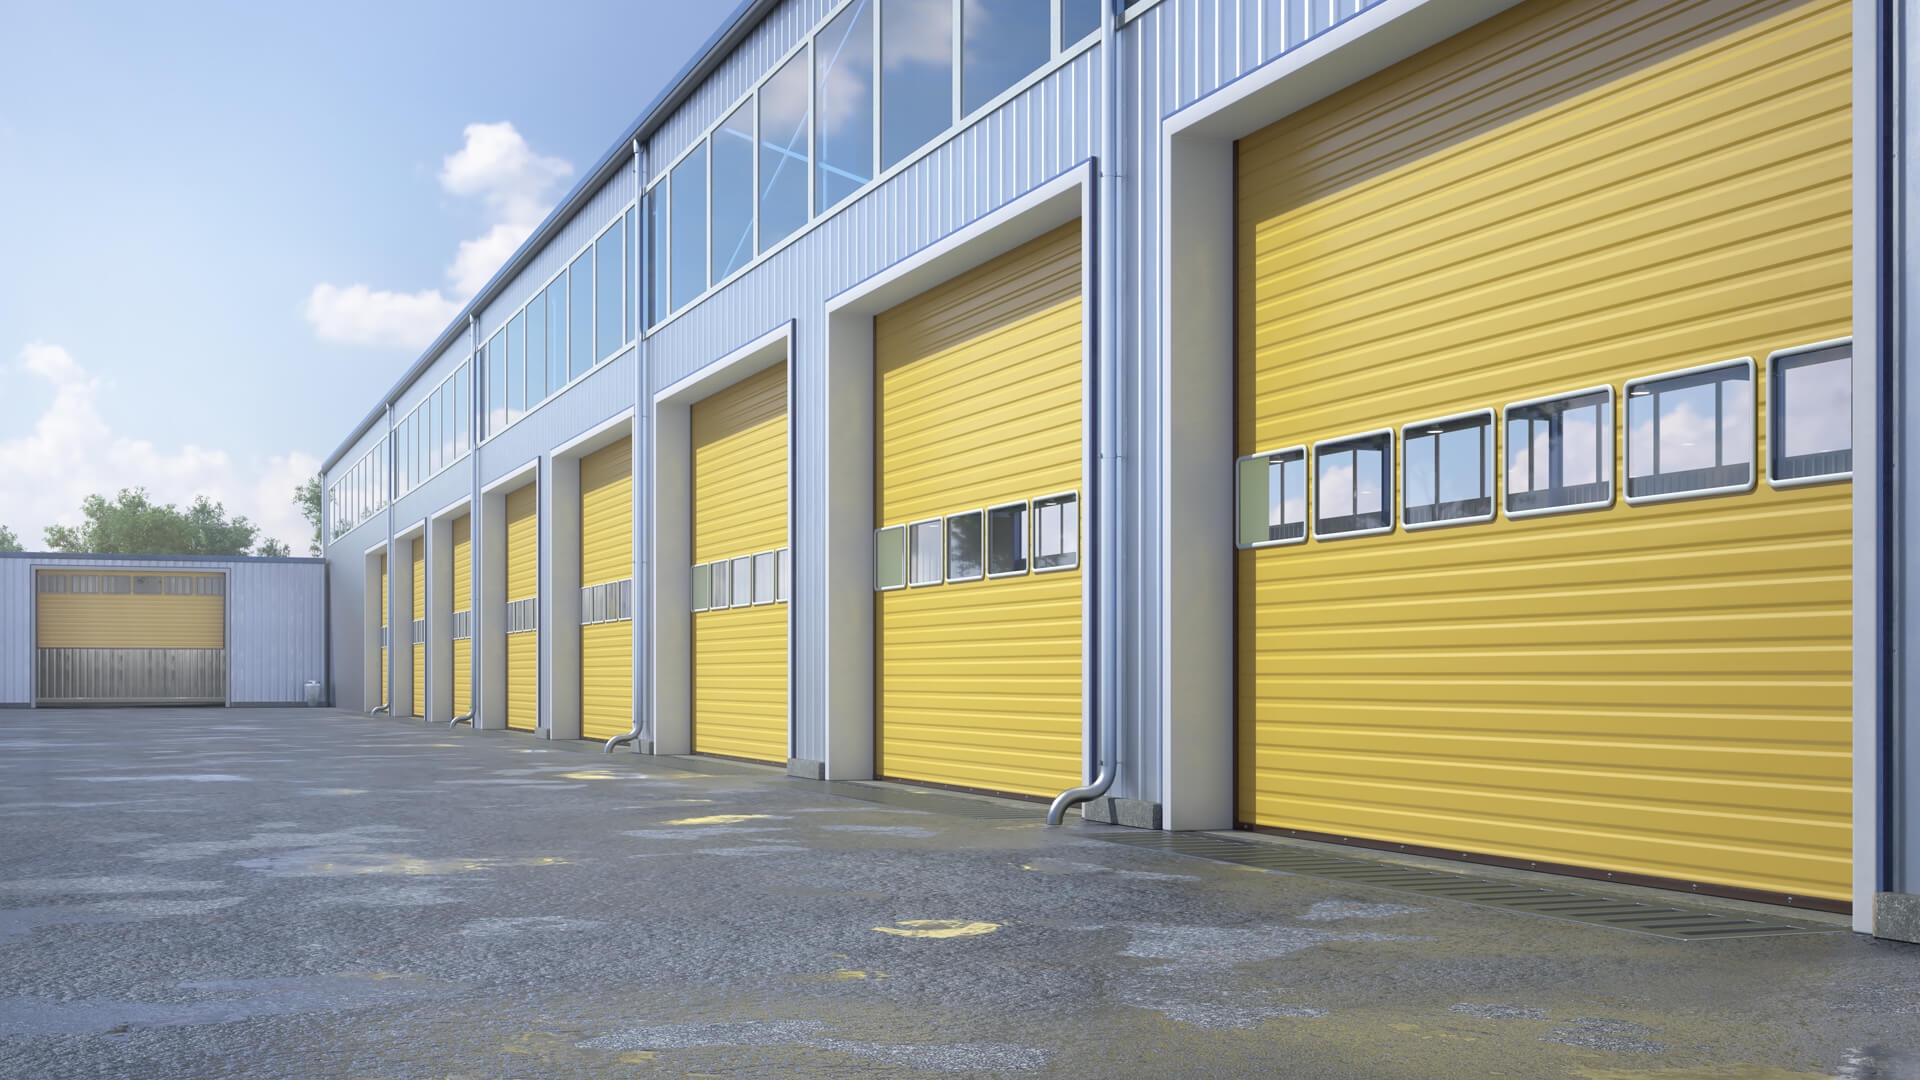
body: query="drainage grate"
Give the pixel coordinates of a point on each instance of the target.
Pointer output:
(1669, 922)
(954, 805)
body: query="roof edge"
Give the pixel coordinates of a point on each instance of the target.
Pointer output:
(71, 556)
(744, 19)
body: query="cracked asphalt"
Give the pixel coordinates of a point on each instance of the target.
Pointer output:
(309, 893)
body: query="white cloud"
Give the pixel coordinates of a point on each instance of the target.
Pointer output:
(517, 187)
(358, 315)
(71, 452)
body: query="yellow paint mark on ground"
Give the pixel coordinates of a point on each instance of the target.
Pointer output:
(843, 975)
(589, 774)
(635, 1057)
(721, 819)
(939, 928)
(1707, 1073)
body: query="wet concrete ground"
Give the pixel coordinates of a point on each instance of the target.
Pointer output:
(281, 893)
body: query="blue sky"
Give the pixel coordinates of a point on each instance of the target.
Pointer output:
(189, 195)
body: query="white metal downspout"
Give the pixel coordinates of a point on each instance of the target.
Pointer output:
(643, 426)
(1106, 370)
(387, 490)
(473, 518)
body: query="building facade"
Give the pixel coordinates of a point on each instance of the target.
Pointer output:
(1459, 426)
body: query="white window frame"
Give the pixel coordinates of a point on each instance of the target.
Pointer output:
(940, 532)
(783, 593)
(1623, 420)
(771, 572)
(740, 584)
(946, 548)
(1776, 401)
(1609, 456)
(1388, 500)
(1026, 541)
(1491, 455)
(1306, 526)
(902, 530)
(1033, 531)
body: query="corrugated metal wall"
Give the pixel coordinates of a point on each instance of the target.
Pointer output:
(276, 621)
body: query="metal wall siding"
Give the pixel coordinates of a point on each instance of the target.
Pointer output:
(602, 395)
(276, 630)
(16, 632)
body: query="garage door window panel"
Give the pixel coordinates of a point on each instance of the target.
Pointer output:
(1690, 433)
(890, 558)
(1271, 503)
(964, 562)
(766, 578)
(740, 576)
(1810, 414)
(1353, 482)
(1007, 540)
(1447, 470)
(1056, 532)
(1559, 453)
(702, 587)
(924, 553)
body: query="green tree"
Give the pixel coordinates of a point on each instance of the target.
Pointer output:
(132, 524)
(8, 541)
(307, 497)
(272, 549)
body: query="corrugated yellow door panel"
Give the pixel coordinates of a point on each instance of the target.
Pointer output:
(523, 681)
(739, 439)
(606, 514)
(386, 671)
(1569, 195)
(606, 554)
(523, 582)
(385, 674)
(100, 620)
(462, 659)
(606, 679)
(740, 682)
(384, 599)
(978, 390)
(419, 612)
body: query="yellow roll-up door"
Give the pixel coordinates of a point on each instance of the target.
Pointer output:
(117, 635)
(386, 696)
(1566, 197)
(739, 512)
(413, 634)
(462, 667)
(523, 590)
(606, 577)
(978, 397)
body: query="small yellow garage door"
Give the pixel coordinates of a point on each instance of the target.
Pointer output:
(462, 660)
(523, 608)
(739, 537)
(120, 636)
(414, 632)
(978, 397)
(606, 599)
(1490, 245)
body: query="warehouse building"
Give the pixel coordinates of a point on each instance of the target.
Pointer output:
(1424, 424)
(94, 630)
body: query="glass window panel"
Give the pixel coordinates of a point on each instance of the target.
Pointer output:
(1354, 484)
(629, 237)
(720, 589)
(742, 578)
(1447, 468)
(916, 75)
(1273, 497)
(733, 192)
(580, 316)
(786, 575)
(1002, 41)
(766, 577)
(497, 395)
(1690, 433)
(656, 217)
(607, 284)
(1078, 18)
(702, 587)
(462, 409)
(689, 228)
(1560, 453)
(538, 386)
(783, 151)
(963, 547)
(1463, 463)
(843, 92)
(1007, 539)
(1056, 532)
(890, 557)
(924, 553)
(516, 336)
(557, 326)
(1812, 411)
(1420, 469)
(437, 431)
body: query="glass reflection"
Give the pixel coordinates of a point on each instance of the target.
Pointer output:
(580, 316)
(689, 228)
(1003, 41)
(1560, 454)
(608, 288)
(1353, 485)
(733, 192)
(516, 367)
(1812, 433)
(1690, 433)
(916, 75)
(557, 333)
(963, 547)
(536, 316)
(1078, 18)
(783, 151)
(657, 303)
(843, 93)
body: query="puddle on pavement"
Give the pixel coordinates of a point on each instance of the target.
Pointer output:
(263, 997)
(952, 1057)
(325, 863)
(194, 778)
